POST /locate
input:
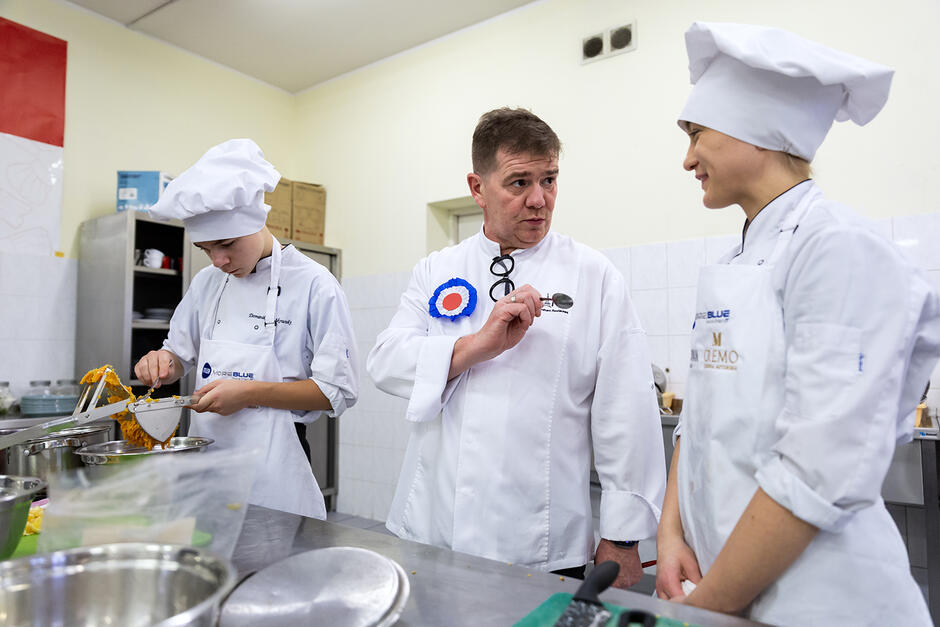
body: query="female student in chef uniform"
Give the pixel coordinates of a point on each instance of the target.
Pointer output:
(812, 342)
(267, 328)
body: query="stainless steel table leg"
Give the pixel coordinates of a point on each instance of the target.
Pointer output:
(928, 449)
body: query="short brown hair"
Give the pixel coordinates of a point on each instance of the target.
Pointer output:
(514, 130)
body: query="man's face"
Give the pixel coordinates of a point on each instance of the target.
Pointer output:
(517, 198)
(237, 256)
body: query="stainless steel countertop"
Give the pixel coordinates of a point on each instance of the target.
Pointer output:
(447, 588)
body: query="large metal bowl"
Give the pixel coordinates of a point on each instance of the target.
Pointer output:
(129, 585)
(122, 451)
(16, 495)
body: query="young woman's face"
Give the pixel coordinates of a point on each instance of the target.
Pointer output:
(727, 167)
(237, 256)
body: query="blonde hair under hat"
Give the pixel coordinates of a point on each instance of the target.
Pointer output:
(776, 90)
(221, 196)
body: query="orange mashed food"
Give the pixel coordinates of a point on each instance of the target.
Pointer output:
(117, 391)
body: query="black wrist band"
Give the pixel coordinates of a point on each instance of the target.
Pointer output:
(624, 544)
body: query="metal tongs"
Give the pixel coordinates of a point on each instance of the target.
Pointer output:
(86, 410)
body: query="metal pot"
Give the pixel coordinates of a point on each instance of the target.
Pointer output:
(122, 451)
(52, 453)
(126, 584)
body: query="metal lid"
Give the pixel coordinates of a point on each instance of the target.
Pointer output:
(67, 437)
(331, 586)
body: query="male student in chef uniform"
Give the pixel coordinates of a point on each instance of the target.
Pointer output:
(812, 343)
(267, 328)
(508, 389)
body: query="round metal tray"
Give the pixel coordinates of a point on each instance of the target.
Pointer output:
(346, 586)
(122, 451)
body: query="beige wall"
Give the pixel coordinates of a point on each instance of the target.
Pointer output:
(134, 103)
(390, 138)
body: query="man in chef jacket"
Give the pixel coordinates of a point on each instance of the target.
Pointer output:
(267, 327)
(509, 387)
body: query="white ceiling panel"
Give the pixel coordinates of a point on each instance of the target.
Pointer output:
(294, 44)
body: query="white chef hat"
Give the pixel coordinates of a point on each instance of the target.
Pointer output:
(221, 196)
(775, 89)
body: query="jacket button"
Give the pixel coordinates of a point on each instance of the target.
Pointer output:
(256, 327)
(218, 322)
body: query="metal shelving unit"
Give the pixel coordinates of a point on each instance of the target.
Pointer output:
(111, 286)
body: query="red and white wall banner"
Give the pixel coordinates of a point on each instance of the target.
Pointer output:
(32, 129)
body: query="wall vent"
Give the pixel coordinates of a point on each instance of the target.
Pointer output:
(612, 41)
(593, 48)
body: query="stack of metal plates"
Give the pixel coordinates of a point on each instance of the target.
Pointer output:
(334, 586)
(48, 404)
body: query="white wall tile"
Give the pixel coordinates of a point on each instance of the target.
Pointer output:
(683, 260)
(681, 310)
(659, 349)
(718, 245)
(648, 267)
(620, 257)
(919, 237)
(402, 430)
(652, 307)
(382, 502)
(20, 274)
(679, 346)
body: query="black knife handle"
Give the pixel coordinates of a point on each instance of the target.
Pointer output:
(597, 581)
(636, 617)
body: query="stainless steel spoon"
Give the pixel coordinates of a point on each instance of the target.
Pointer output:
(562, 301)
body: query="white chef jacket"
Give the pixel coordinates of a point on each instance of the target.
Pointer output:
(498, 462)
(861, 331)
(314, 337)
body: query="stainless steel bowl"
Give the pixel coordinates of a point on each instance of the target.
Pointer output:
(52, 453)
(16, 495)
(122, 451)
(128, 584)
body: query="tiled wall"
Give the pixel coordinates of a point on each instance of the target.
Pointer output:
(37, 319)
(662, 278)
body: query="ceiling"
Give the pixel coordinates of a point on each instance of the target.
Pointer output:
(294, 44)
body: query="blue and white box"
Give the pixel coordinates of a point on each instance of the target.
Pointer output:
(140, 190)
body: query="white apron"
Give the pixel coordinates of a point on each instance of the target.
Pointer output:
(734, 393)
(283, 478)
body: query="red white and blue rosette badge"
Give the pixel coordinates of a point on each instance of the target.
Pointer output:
(453, 299)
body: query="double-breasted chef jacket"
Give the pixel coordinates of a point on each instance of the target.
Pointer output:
(312, 339)
(498, 461)
(812, 344)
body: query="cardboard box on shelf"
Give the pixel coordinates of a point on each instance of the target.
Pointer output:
(279, 218)
(309, 212)
(138, 190)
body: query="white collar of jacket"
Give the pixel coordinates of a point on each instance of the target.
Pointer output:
(766, 225)
(492, 248)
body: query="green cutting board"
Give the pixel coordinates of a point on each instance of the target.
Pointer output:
(554, 606)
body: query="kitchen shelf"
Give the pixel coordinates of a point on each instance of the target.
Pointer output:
(150, 325)
(149, 270)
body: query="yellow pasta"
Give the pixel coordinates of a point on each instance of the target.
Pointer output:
(34, 522)
(117, 391)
